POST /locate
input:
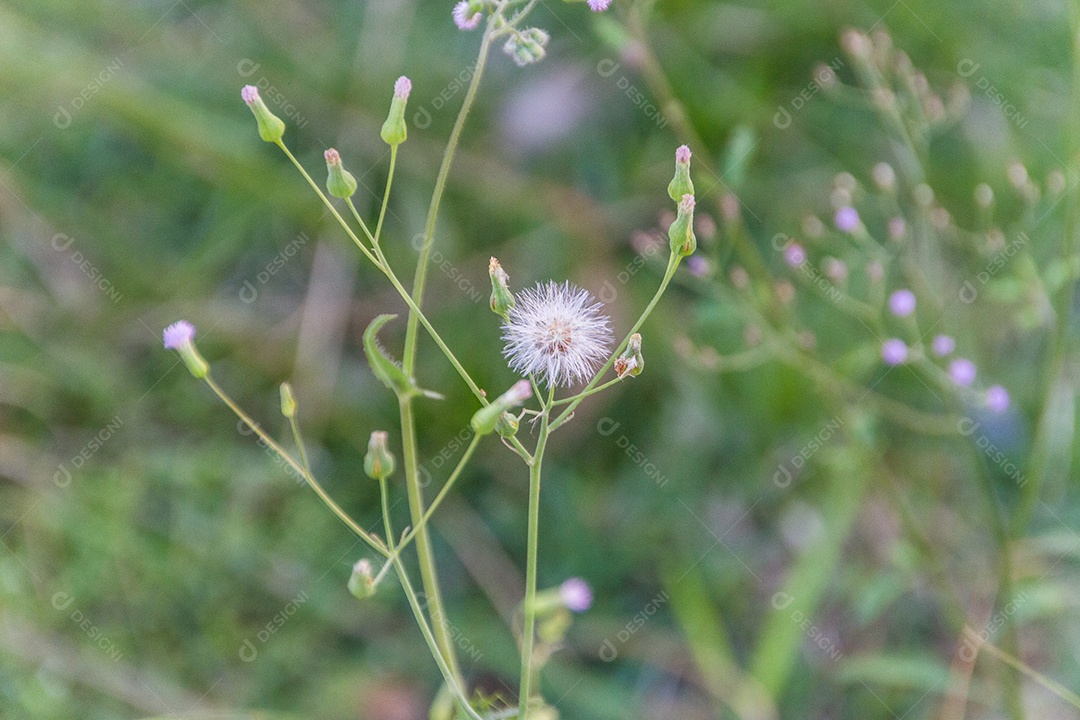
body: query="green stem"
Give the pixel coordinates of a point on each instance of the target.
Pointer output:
(420, 279)
(311, 481)
(428, 576)
(449, 676)
(673, 264)
(434, 503)
(529, 629)
(586, 393)
(386, 196)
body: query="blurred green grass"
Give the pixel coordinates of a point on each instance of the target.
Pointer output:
(179, 539)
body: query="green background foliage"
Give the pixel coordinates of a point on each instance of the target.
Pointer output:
(134, 191)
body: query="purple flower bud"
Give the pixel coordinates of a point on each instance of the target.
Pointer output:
(902, 303)
(997, 399)
(943, 345)
(682, 154)
(894, 351)
(847, 219)
(250, 94)
(178, 334)
(576, 595)
(962, 371)
(465, 17)
(794, 255)
(402, 88)
(599, 5)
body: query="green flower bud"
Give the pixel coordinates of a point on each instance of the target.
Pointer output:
(362, 580)
(630, 363)
(339, 182)
(681, 232)
(527, 46)
(288, 401)
(487, 418)
(394, 129)
(501, 297)
(379, 462)
(271, 127)
(180, 336)
(507, 425)
(681, 184)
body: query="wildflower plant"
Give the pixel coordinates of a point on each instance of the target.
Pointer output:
(556, 336)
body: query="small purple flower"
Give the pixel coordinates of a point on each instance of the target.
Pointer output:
(997, 399)
(178, 334)
(962, 371)
(250, 94)
(464, 18)
(576, 595)
(794, 255)
(599, 5)
(943, 345)
(894, 351)
(902, 303)
(847, 219)
(402, 88)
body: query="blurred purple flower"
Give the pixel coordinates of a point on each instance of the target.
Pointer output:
(997, 399)
(847, 219)
(962, 371)
(943, 345)
(576, 595)
(902, 303)
(894, 351)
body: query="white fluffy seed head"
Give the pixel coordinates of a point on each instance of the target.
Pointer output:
(558, 333)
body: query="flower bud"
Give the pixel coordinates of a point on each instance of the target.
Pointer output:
(271, 127)
(362, 580)
(487, 418)
(681, 232)
(288, 401)
(630, 363)
(507, 425)
(394, 129)
(527, 46)
(339, 182)
(379, 462)
(180, 336)
(681, 184)
(501, 297)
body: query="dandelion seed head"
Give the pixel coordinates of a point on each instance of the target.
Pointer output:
(558, 333)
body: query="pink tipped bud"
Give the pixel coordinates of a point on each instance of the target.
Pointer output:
(402, 88)
(519, 393)
(794, 255)
(894, 351)
(687, 203)
(576, 595)
(902, 303)
(997, 399)
(466, 17)
(250, 94)
(333, 157)
(962, 371)
(682, 155)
